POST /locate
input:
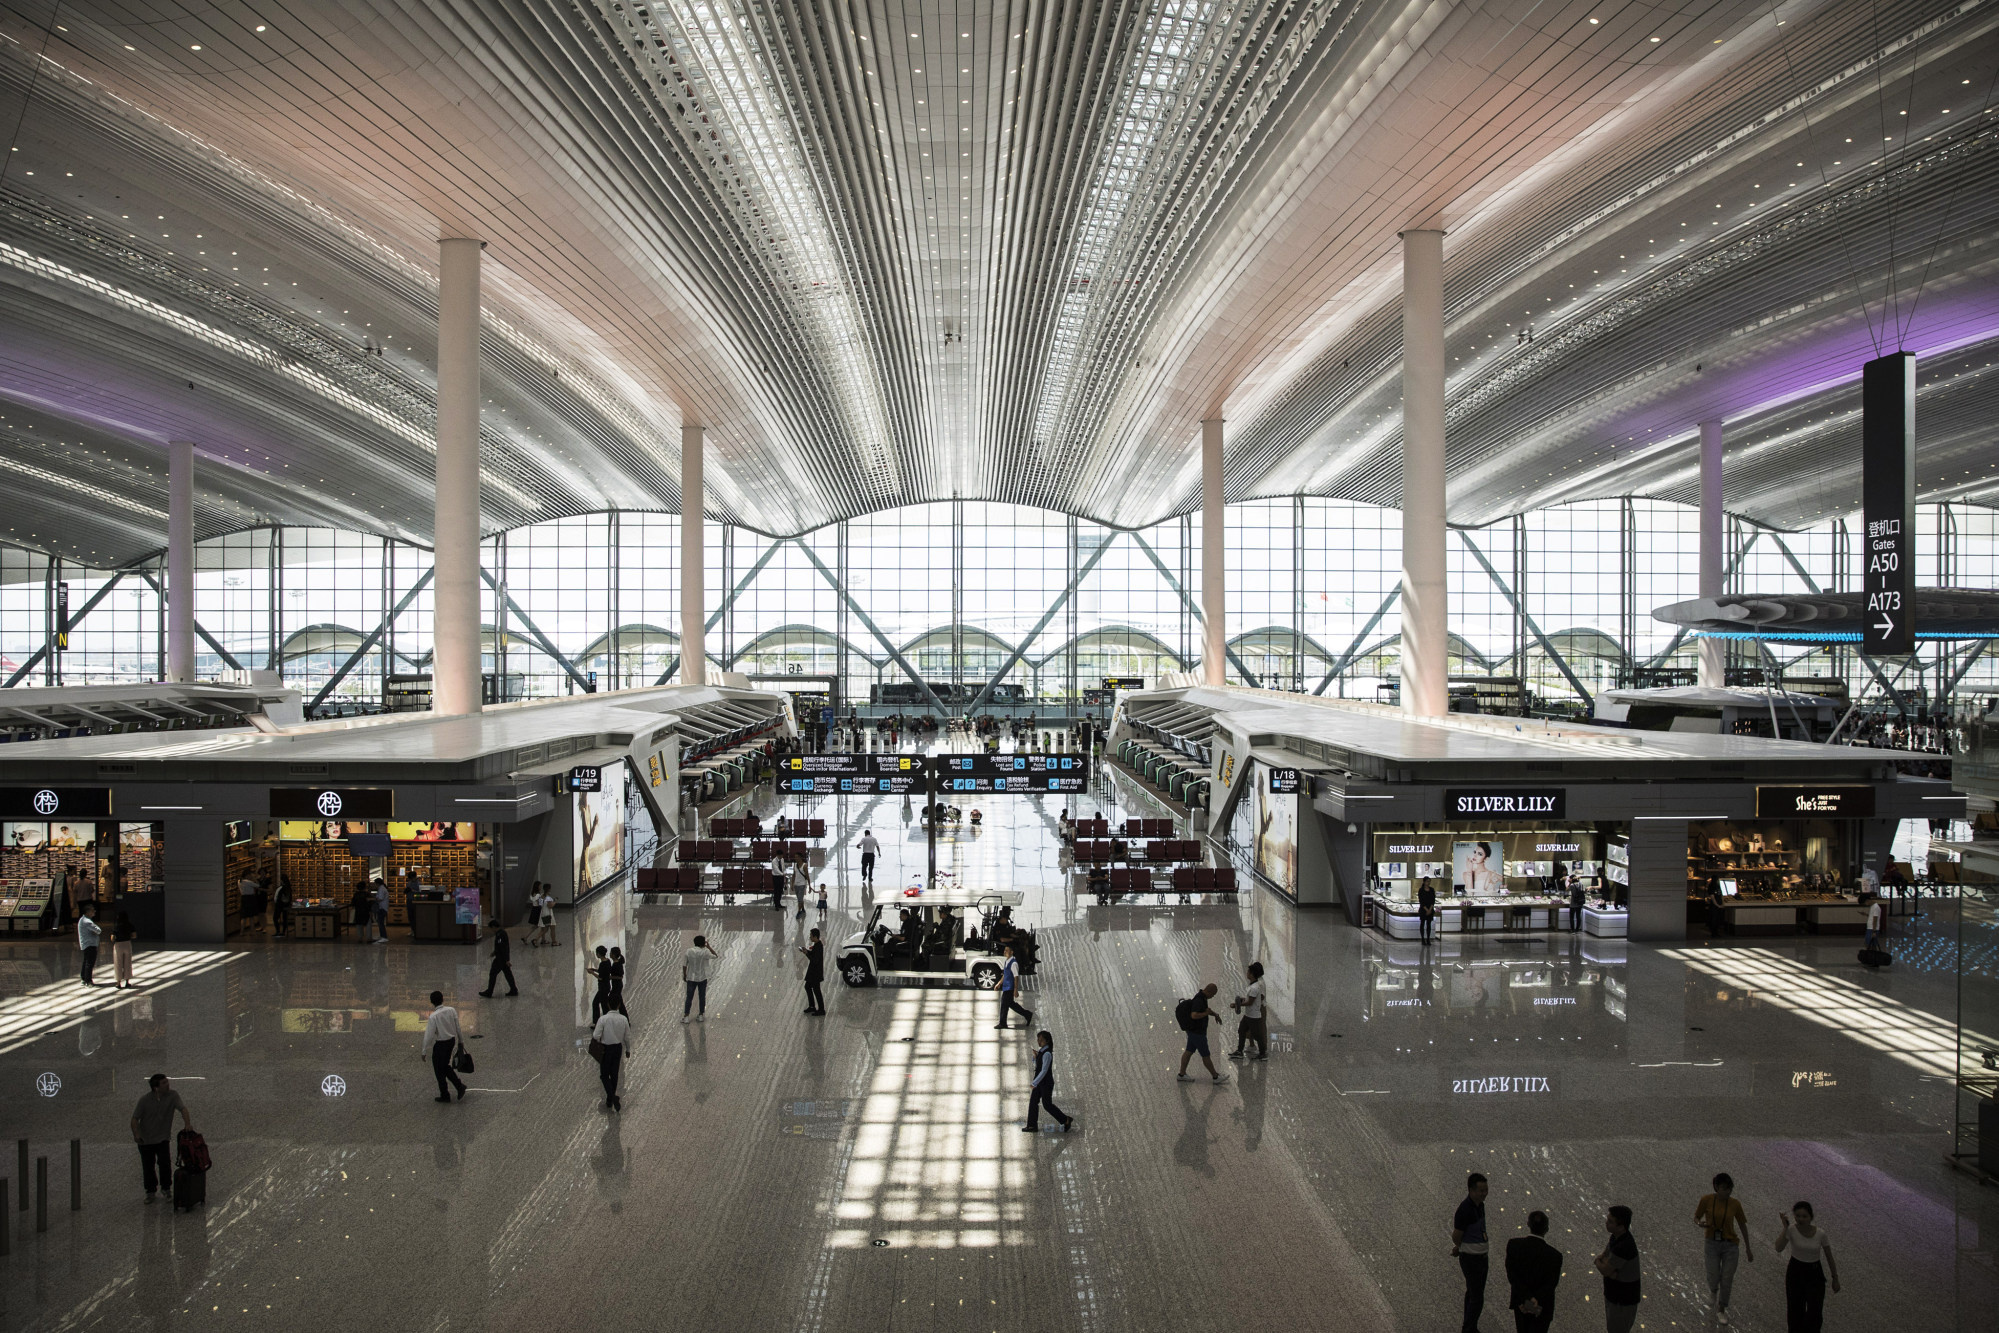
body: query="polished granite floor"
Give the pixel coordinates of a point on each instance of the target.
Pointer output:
(866, 1170)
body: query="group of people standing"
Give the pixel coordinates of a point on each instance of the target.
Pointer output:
(1534, 1267)
(89, 938)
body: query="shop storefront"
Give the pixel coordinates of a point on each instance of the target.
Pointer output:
(438, 874)
(1505, 819)
(1488, 875)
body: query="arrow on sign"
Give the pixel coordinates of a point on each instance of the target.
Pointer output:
(1885, 624)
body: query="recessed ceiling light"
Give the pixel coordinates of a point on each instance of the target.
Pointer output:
(260, 27)
(195, 47)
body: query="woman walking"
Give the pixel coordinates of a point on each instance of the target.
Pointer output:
(1805, 1279)
(122, 935)
(1042, 1090)
(617, 979)
(815, 974)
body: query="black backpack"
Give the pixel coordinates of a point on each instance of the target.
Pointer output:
(1183, 1012)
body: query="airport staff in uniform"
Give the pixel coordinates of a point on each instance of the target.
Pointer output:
(503, 953)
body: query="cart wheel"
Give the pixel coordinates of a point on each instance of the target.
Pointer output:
(985, 976)
(856, 972)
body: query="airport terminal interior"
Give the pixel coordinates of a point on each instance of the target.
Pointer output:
(1060, 665)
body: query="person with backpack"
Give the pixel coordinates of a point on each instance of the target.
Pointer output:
(1009, 978)
(152, 1127)
(1193, 1014)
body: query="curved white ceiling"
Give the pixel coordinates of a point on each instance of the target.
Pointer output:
(1017, 251)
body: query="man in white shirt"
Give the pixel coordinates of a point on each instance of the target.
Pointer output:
(87, 935)
(694, 972)
(1877, 919)
(1252, 1026)
(870, 848)
(440, 1039)
(609, 1035)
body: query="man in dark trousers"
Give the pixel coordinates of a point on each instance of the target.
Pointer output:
(503, 955)
(815, 974)
(152, 1128)
(1192, 1015)
(1533, 1267)
(1426, 909)
(1575, 901)
(1009, 978)
(1468, 1247)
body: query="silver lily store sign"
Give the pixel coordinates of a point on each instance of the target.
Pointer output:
(1506, 803)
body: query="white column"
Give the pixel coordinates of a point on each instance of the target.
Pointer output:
(693, 561)
(1425, 625)
(180, 560)
(455, 667)
(1713, 652)
(1214, 569)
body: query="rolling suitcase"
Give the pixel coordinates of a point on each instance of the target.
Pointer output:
(191, 1172)
(1875, 958)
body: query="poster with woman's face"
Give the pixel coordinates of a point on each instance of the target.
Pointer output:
(1476, 867)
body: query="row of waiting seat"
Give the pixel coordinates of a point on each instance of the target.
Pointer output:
(693, 850)
(1148, 828)
(1186, 879)
(689, 879)
(1093, 828)
(1160, 851)
(751, 827)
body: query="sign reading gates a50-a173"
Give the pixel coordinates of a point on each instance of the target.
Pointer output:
(1506, 802)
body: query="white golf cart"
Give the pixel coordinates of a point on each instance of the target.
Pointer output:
(927, 947)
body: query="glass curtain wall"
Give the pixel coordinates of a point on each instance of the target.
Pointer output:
(962, 591)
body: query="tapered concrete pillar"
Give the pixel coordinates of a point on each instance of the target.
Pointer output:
(1425, 624)
(1214, 560)
(1713, 652)
(180, 560)
(455, 668)
(693, 561)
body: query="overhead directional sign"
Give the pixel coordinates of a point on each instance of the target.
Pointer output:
(847, 774)
(1888, 502)
(850, 774)
(1002, 773)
